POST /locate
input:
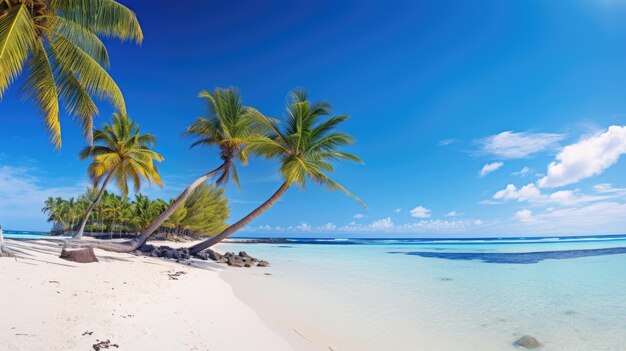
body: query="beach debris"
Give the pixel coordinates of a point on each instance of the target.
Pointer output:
(87, 332)
(527, 342)
(175, 275)
(106, 344)
(83, 255)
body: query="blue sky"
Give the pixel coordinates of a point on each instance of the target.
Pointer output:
(459, 108)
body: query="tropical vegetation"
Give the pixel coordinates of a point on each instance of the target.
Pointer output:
(203, 214)
(120, 154)
(57, 45)
(228, 126)
(306, 148)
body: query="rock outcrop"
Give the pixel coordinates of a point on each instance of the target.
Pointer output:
(84, 255)
(527, 342)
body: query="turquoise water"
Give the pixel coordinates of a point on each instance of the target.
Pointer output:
(22, 234)
(443, 295)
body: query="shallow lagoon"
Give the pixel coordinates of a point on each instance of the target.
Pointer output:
(443, 294)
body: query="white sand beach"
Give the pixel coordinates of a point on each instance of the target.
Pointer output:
(137, 303)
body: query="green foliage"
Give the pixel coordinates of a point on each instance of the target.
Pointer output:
(58, 43)
(204, 213)
(228, 126)
(307, 145)
(121, 150)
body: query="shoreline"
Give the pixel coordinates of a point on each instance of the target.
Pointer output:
(135, 302)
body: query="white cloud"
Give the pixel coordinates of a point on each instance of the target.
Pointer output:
(420, 212)
(606, 217)
(511, 145)
(525, 216)
(386, 225)
(586, 158)
(522, 172)
(606, 188)
(490, 168)
(454, 214)
(358, 216)
(446, 142)
(304, 227)
(382, 224)
(397, 210)
(328, 227)
(528, 192)
(22, 195)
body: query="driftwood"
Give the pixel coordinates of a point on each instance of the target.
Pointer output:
(83, 255)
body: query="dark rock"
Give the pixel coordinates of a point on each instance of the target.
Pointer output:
(528, 342)
(221, 260)
(235, 263)
(84, 255)
(202, 255)
(168, 254)
(263, 263)
(214, 255)
(247, 265)
(156, 253)
(146, 248)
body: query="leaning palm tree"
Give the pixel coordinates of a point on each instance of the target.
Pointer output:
(228, 127)
(306, 148)
(120, 152)
(58, 43)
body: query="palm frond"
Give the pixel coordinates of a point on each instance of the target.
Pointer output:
(92, 76)
(17, 39)
(41, 88)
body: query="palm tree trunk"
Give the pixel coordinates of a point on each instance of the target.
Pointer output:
(135, 243)
(4, 250)
(241, 223)
(179, 201)
(79, 234)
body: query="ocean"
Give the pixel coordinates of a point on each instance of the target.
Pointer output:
(442, 294)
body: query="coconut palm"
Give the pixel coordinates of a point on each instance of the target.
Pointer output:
(306, 148)
(57, 42)
(228, 126)
(120, 152)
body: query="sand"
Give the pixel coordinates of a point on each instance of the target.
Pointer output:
(136, 303)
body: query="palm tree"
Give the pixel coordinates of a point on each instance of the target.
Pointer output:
(121, 152)
(306, 148)
(228, 127)
(58, 43)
